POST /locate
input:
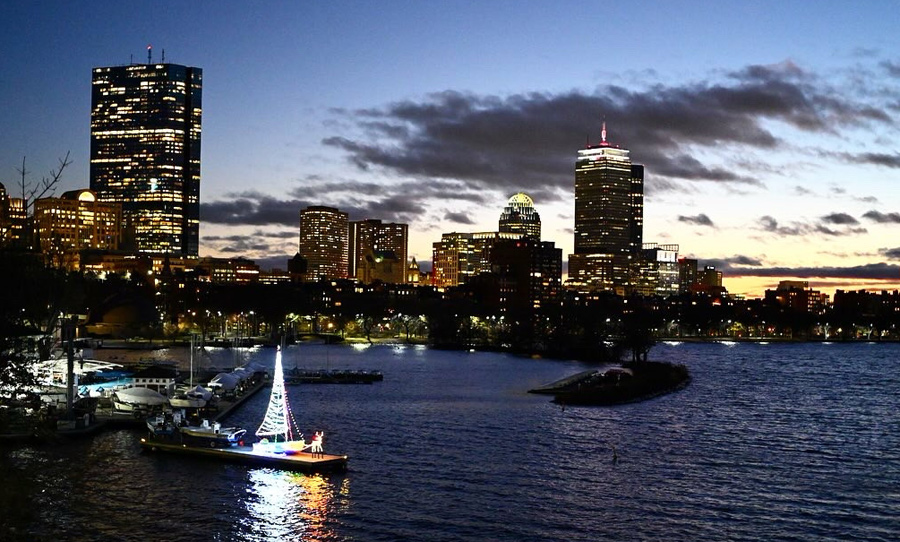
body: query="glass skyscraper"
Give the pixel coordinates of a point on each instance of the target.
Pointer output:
(609, 216)
(145, 152)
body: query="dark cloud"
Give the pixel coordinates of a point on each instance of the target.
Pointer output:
(699, 220)
(890, 253)
(883, 218)
(825, 230)
(526, 141)
(253, 208)
(771, 225)
(744, 260)
(459, 218)
(842, 219)
(876, 271)
(892, 68)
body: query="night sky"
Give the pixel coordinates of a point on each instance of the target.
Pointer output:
(767, 129)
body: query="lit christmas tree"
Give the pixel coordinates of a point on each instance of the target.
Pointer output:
(278, 423)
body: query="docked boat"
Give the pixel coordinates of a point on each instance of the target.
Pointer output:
(196, 397)
(174, 430)
(137, 400)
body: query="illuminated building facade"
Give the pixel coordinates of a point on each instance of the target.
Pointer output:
(324, 243)
(228, 270)
(145, 151)
(687, 274)
(13, 221)
(519, 216)
(529, 274)
(609, 215)
(73, 222)
(378, 251)
(457, 257)
(657, 270)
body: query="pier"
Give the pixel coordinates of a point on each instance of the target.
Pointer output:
(301, 461)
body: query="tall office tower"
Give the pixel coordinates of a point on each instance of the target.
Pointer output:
(609, 216)
(324, 243)
(378, 251)
(66, 225)
(145, 151)
(519, 216)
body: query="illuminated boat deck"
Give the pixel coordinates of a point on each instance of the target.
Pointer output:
(302, 461)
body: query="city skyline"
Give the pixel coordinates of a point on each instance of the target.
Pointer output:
(767, 149)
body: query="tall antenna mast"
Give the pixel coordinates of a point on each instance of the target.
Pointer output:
(149, 54)
(164, 56)
(603, 135)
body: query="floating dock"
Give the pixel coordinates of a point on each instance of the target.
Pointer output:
(301, 461)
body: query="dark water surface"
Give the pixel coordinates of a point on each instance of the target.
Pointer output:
(769, 442)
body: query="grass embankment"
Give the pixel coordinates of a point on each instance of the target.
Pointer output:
(648, 379)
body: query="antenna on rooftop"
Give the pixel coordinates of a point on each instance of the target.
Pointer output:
(603, 135)
(164, 56)
(149, 54)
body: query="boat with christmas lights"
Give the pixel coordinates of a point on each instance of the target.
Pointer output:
(280, 444)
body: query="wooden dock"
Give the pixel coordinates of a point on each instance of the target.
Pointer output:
(302, 461)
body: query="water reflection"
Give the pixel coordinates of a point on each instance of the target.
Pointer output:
(284, 505)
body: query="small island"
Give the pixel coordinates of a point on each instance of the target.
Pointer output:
(628, 383)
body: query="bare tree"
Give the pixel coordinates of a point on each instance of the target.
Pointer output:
(32, 192)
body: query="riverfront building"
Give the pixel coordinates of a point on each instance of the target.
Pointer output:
(324, 243)
(75, 221)
(378, 251)
(145, 151)
(458, 257)
(609, 215)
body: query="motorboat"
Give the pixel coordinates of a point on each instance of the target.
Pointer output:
(174, 429)
(196, 397)
(137, 399)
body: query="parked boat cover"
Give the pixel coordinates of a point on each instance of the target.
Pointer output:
(141, 396)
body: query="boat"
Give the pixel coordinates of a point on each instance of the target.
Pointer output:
(196, 397)
(173, 429)
(137, 400)
(278, 431)
(280, 445)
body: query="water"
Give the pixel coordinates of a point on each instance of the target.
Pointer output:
(769, 442)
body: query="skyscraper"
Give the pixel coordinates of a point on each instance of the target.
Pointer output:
(145, 151)
(373, 242)
(609, 215)
(519, 216)
(324, 243)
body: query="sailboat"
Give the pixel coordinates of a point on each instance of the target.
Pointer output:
(278, 432)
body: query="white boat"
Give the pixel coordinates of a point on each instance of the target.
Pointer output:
(196, 397)
(137, 399)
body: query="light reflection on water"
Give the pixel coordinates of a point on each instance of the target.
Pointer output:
(284, 505)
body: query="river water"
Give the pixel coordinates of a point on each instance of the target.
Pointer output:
(769, 442)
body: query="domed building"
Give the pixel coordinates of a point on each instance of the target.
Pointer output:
(519, 216)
